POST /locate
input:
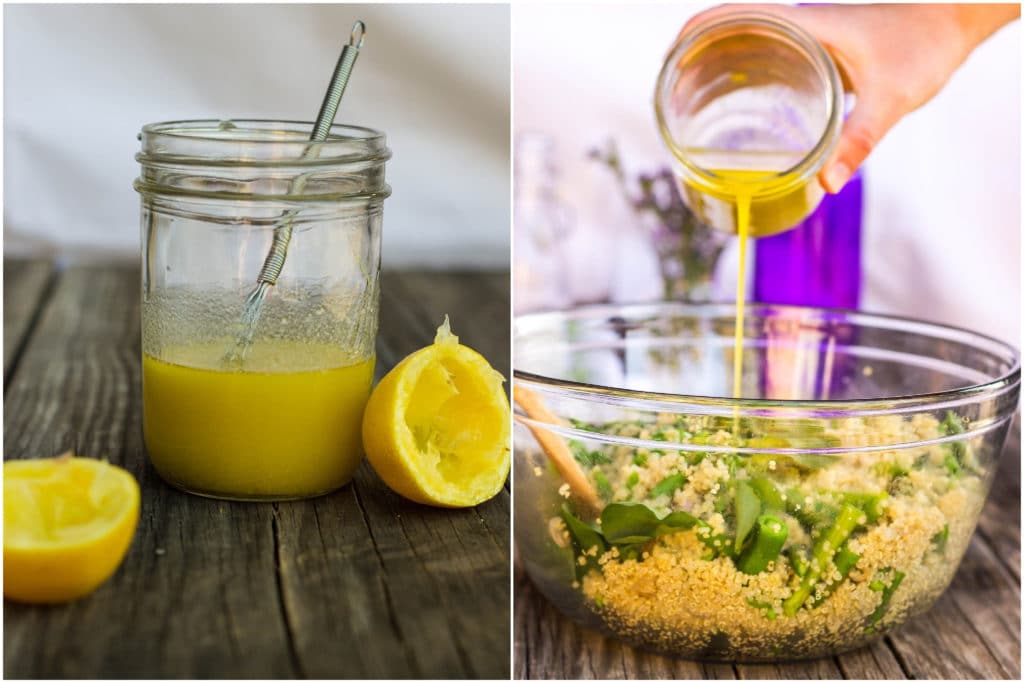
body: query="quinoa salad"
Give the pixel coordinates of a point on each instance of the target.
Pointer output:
(763, 556)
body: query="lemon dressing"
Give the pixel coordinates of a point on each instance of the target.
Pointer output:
(284, 425)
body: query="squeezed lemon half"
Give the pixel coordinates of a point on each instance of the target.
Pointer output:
(68, 523)
(437, 428)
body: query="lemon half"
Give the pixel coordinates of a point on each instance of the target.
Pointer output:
(437, 429)
(68, 523)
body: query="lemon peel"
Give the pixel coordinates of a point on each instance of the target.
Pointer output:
(437, 429)
(68, 523)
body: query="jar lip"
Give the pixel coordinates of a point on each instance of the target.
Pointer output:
(658, 401)
(243, 151)
(199, 129)
(813, 159)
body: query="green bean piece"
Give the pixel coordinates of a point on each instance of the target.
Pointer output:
(798, 560)
(769, 613)
(769, 493)
(791, 604)
(887, 592)
(830, 542)
(668, 485)
(873, 504)
(824, 552)
(845, 561)
(717, 544)
(811, 516)
(805, 461)
(814, 461)
(768, 541)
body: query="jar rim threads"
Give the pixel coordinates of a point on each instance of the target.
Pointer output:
(255, 159)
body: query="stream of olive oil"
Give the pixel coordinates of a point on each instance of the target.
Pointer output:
(764, 199)
(741, 188)
(743, 199)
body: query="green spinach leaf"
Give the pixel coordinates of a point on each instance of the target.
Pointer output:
(637, 523)
(748, 507)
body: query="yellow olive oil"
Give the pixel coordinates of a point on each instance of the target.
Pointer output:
(778, 199)
(758, 202)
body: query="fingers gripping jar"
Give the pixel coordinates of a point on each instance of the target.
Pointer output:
(283, 420)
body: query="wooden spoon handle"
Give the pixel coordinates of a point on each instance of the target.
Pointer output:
(557, 450)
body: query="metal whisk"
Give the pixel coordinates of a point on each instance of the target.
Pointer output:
(274, 262)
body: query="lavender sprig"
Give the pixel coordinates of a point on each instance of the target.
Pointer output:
(688, 250)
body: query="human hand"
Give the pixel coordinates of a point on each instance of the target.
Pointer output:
(894, 58)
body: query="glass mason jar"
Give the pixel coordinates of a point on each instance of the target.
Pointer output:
(278, 417)
(749, 104)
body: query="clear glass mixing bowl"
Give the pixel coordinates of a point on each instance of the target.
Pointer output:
(828, 505)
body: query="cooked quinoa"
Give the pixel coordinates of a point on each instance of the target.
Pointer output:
(758, 557)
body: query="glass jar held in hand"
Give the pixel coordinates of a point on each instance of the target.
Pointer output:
(750, 106)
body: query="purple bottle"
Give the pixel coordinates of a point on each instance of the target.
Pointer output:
(818, 262)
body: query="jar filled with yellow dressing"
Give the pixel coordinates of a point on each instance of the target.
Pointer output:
(750, 106)
(265, 407)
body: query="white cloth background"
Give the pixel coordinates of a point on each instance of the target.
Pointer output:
(81, 80)
(942, 219)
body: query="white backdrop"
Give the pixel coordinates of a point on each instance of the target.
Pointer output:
(81, 80)
(942, 218)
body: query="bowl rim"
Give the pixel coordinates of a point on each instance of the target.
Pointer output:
(830, 407)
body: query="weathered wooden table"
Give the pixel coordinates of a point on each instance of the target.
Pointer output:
(973, 631)
(360, 583)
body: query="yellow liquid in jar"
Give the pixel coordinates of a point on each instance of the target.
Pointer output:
(287, 425)
(777, 200)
